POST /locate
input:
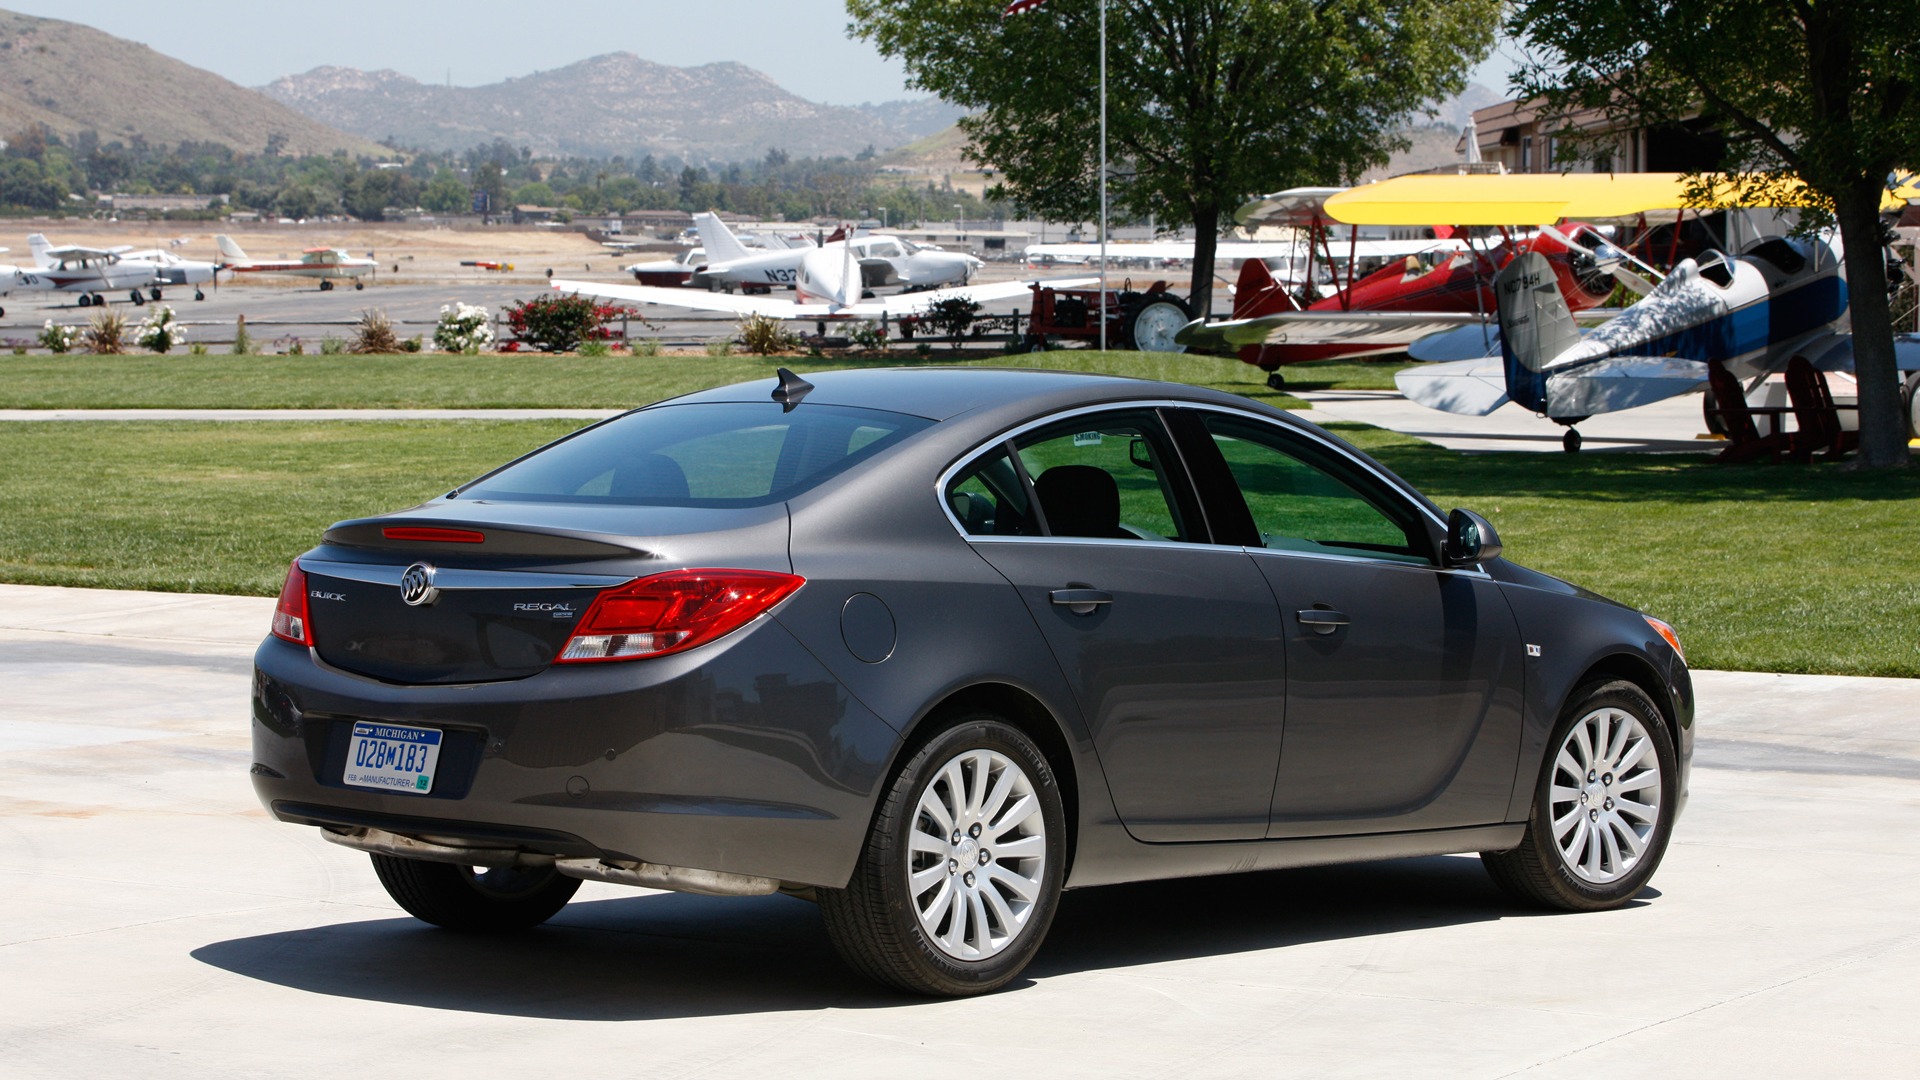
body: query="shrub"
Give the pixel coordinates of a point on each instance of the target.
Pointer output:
(763, 335)
(645, 346)
(290, 346)
(197, 349)
(332, 346)
(160, 331)
(374, 335)
(242, 341)
(867, 336)
(594, 350)
(412, 344)
(560, 323)
(59, 339)
(106, 334)
(719, 348)
(951, 317)
(463, 328)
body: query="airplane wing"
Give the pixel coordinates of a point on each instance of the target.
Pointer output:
(1236, 250)
(1525, 198)
(912, 303)
(74, 251)
(1384, 328)
(1294, 206)
(1621, 382)
(1473, 387)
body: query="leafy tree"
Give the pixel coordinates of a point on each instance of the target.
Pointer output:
(1827, 89)
(446, 194)
(534, 194)
(1209, 101)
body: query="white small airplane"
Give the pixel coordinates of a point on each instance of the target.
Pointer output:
(170, 269)
(829, 282)
(1752, 313)
(327, 264)
(882, 259)
(84, 270)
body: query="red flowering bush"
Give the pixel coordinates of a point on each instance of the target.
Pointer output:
(561, 323)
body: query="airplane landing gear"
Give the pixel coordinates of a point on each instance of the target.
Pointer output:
(326, 285)
(154, 294)
(198, 295)
(1276, 381)
(86, 300)
(358, 285)
(137, 299)
(1570, 442)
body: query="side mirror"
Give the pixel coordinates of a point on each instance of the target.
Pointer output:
(1470, 539)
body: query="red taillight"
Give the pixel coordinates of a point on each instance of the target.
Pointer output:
(670, 612)
(439, 536)
(290, 613)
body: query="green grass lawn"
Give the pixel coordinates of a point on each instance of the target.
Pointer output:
(1761, 567)
(440, 381)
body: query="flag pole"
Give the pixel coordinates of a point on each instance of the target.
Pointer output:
(1103, 175)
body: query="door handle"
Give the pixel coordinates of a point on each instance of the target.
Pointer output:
(1322, 620)
(1080, 601)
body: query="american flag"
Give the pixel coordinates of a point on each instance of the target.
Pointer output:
(1021, 7)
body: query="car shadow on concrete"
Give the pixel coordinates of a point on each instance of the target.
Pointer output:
(657, 956)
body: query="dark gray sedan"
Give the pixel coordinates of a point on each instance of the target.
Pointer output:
(930, 646)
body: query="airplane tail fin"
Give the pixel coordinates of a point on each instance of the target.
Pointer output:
(229, 250)
(718, 240)
(38, 245)
(1258, 293)
(1535, 326)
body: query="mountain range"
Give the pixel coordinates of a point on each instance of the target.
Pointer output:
(73, 78)
(617, 104)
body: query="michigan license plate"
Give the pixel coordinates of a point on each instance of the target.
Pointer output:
(392, 757)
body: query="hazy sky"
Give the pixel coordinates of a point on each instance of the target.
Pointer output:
(802, 44)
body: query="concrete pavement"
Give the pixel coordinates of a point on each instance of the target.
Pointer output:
(160, 925)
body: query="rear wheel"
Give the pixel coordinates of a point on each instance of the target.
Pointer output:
(1154, 324)
(962, 868)
(475, 899)
(1603, 808)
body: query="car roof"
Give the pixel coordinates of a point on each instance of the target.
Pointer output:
(943, 393)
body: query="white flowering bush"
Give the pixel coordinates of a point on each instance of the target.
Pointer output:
(160, 331)
(59, 338)
(463, 328)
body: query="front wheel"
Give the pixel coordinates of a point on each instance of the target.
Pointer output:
(475, 899)
(1603, 809)
(962, 868)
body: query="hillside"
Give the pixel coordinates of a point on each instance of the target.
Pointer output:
(612, 105)
(73, 78)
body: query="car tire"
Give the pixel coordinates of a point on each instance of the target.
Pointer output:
(932, 907)
(1911, 395)
(1592, 838)
(475, 900)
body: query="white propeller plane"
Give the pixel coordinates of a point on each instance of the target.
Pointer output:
(84, 270)
(829, 283)
(327, 264)
(883, 260)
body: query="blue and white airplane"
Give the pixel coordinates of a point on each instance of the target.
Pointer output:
(1752, 312)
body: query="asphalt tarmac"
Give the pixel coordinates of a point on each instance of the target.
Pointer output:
(158, 924)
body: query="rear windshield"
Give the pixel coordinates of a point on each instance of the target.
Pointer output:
(720, 454)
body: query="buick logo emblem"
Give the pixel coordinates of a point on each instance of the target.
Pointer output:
(416, 585)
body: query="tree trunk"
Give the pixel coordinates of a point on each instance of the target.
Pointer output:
(1206, 240)
(1883, 430)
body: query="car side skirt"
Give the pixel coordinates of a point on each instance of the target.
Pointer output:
(1111, 858)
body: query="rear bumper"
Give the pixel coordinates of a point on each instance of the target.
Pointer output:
(743, 757)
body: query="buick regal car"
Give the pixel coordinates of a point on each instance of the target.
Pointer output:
(930, 646)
